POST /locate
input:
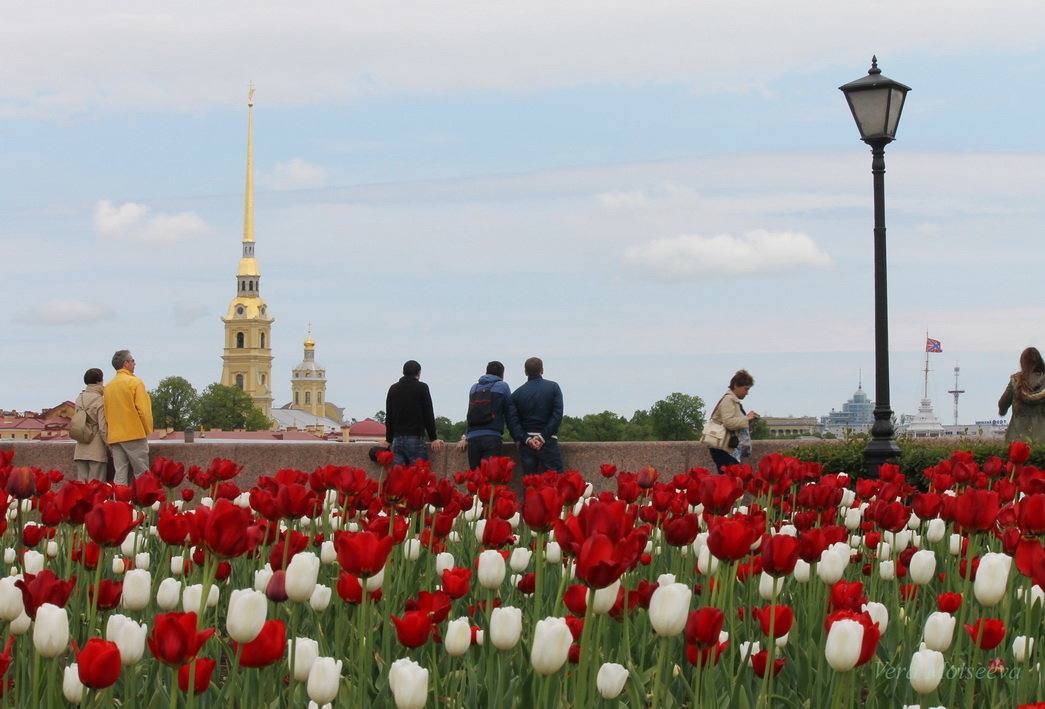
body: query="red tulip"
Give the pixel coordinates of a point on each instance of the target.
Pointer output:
(169, 473)
(413, 629)
(576, 599)
(775, 620)
(44, 587)
(681, 530)
(987, 633)
(456, 582)
(109, 594)
(351, 591)
(109, 523)
(949, 602)
(730, 539)
(362, 554)
(719, 492)
(601, 560)
(221, 469)
(700, 656)
(436, 605)
(174, 639)
(760, 660)
(98, 663)
(204, 668)
(703, 626)
(1019, 452)
(172, 526)
(225, 529)
(21, 482)
(1030, 514)
(146, 490)
(779, 554)
(541, 508)
(267, 648)
(976, 510)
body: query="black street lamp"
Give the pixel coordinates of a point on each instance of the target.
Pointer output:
(876, 102)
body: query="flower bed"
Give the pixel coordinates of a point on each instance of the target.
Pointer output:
(781, 586)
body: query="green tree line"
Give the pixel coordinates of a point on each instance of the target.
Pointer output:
(177, 405)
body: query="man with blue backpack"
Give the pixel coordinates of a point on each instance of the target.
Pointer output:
(489, 409)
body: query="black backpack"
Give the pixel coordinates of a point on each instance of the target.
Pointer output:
(480, 408)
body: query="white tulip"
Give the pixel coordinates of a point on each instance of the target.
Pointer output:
(551, 645)
(375, 582)
(327, 552)
(137, 589)
(21, 624)
(844, 643)
(302, 573)
(832, 565)
(168, 593)
(769, 587)
(553, 553)
(50, 630)
(11, 605)
(192, 598)
(611, 679)
(939, 631)
(992, 578)
(505, 627)
(935, 530)
(887, 570)
(412, 549)
(491, 569)
(1022, 647)
(303, 652)
(72, 687)
(853, 517)
(802, 571)
(444, 560)
(246, 615)
(177, 565)
(128, 635)
(669, 609)
(458, 637)
(409, 684)
(520, 559)
(922, 567)
(926, 670)
(913, 522)
(954, 544)
(707, 563)
(320, 598)
(33, 561)
(262, 577)
(131, 543)
(324, 680)
(142, 560)
(604, 599)
(879, 614)
(51, 549)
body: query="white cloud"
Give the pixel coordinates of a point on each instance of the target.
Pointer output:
(294, 174)
(187, 312)
(65, 312)
(134, 222)
(690, 256)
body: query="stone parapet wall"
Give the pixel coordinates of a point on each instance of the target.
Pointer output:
(669, 457)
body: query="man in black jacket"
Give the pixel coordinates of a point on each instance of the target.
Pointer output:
(538, 405)
(408, 415)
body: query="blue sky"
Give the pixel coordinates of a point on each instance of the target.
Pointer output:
(647, 195)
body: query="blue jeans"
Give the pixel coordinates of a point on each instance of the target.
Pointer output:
(722, 458)
(408, 450)
(549, 457)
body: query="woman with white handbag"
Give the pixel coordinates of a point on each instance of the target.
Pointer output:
(726, 432)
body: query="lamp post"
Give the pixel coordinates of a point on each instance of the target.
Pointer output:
(876, 102)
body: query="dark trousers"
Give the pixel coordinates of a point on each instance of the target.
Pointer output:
(482, 447)
(549, 457)
(722, 458)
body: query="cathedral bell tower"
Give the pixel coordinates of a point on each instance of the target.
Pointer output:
(309, 383)
(247, 361)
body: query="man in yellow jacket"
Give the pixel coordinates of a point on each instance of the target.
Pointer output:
(128, 413)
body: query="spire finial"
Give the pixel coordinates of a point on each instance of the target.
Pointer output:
(248, 207)
(874, 66)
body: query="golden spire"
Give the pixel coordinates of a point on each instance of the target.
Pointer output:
(310, 344)
(248, 210)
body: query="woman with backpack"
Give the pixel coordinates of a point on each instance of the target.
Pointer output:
(88, 429)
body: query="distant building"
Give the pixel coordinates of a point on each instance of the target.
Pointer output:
(366, 430)
(792, 426)
(50, 425)
(856, 416)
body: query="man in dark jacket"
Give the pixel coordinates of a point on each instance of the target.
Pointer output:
(408, 415)
(489, 409)
(538, 405)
